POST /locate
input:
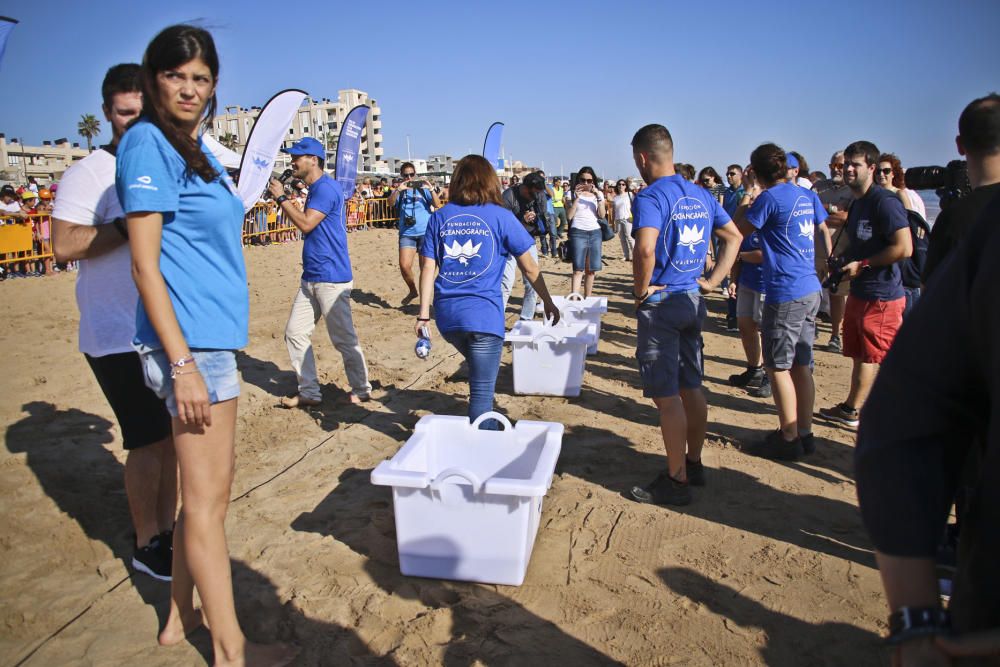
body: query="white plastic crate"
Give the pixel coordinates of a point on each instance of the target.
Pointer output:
(468, 502)
(577, 308)
(549, 360)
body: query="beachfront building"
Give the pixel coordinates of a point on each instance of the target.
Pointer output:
(320, 119)
(46, 162)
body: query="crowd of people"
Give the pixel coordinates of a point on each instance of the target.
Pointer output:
(157, 227)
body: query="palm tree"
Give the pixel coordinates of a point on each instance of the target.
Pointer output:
(88, 128)
(230, 141)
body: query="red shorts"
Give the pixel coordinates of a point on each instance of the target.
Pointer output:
(870, 327)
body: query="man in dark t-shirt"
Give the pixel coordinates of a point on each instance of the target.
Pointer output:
(926, 415)
(878, 236)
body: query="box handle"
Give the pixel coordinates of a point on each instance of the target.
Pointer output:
(467, 475)
(507, 426)
(574, 296)
(546, 334)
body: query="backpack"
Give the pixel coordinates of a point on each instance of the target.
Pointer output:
(912, 268)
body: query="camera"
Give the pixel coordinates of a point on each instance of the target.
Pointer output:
(416, 185)
(836, 274)
(951, 183)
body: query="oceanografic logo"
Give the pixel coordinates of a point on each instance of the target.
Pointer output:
(800, 228)
(690, 218)
(468, 248)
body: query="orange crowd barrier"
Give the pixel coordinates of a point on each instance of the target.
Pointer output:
(265, 221)
(26, 240)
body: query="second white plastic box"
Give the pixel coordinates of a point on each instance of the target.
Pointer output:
(578, 308)
(549, 360)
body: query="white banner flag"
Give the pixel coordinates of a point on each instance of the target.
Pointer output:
(266, 135)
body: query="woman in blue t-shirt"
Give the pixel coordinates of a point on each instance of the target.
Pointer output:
(469, 239)
(413, 201)
(184, 227)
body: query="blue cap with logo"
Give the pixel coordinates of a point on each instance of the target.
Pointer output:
(790, 160)
(306, 146)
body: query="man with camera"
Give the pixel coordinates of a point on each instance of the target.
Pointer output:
(836, 199)
(413, 201)
(878, 236)
(327, 280)
(526, 201)
(979, 141)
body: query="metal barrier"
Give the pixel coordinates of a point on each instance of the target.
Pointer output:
(265, 222)
(26, 240)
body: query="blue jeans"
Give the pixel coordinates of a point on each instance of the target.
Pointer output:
(551, 238)
(585, 249)
(482, 352)
(912, 295)
(507, 284)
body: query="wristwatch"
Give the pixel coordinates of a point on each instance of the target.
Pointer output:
(908, 623)
(281, 200)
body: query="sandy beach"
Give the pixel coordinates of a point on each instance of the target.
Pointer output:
(769, 565)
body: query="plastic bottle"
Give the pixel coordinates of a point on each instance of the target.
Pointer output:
(423, 347)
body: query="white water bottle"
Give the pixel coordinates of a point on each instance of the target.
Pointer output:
(423, 347)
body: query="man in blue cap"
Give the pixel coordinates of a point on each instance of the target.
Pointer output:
(327, 279)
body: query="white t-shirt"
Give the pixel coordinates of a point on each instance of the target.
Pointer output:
(623, 206)
(804, 182)
(105, 293)
(917, 203)
(585, 216)
(12, 207)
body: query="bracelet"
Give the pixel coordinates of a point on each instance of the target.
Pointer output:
(420, 319)
(281, 200)
(175, 373)
(180, 363)
(641, 296)
(120, 226)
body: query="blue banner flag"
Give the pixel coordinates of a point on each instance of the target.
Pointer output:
(348, 146)
(6, 25)
(491, 147)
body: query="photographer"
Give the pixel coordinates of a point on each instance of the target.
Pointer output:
(527, 202)
(878, 236)
(979, 141)
(414, 200)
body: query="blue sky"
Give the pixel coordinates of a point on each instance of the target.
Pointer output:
(571, 81)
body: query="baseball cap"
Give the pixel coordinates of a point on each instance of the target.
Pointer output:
(791, 161)
(306, 146)
(28, 194)
(8, 191)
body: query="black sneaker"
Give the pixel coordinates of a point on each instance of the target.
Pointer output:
(732, 324)
(808, 443)
(153, 559)
(763, 390)
(775, 447)
(664, 490)
(834, 345)
(746, 377)
(696, 473)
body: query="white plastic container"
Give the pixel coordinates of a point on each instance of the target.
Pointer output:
(468, 502)
(577, 308)
(549, 360)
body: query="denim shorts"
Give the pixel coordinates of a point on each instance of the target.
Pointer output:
(787, 332)
(669, 343)
(416, 242)
(217, 368)
(584, 245)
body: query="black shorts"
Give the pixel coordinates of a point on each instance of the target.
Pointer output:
(142, 416)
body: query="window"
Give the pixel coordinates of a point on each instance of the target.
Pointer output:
(375, 131)
(11, 160)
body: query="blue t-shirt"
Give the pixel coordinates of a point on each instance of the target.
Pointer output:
(324, 249)
(201, 251)
(872, 221)
(731, 199)
(471, 245)
(685, 215)
(415, 204)
(786, 216)
(751, 275)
